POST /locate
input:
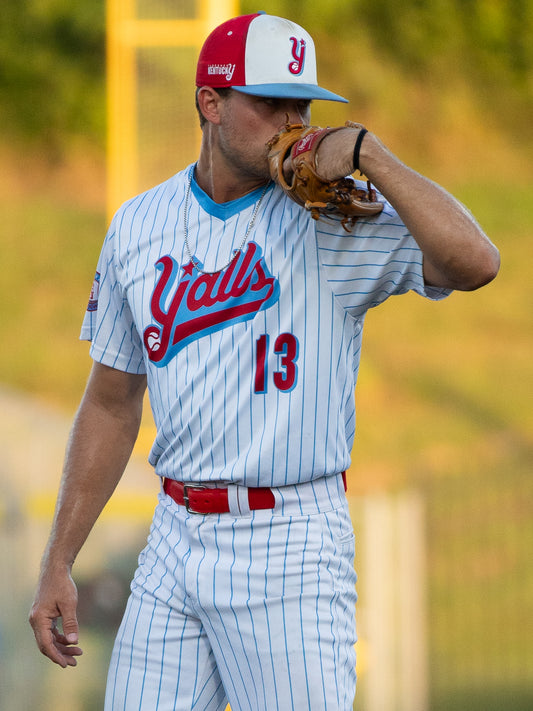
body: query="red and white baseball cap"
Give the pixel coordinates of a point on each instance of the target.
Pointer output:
(262, 55)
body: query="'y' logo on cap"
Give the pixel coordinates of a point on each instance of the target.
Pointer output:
(298, 53)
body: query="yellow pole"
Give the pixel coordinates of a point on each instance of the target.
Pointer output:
(125, 33)
(122, 160)
(214, 13)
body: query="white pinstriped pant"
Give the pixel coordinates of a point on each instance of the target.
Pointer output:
(256, 609)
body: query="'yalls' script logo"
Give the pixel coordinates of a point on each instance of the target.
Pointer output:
(197, 304)
(298, 53)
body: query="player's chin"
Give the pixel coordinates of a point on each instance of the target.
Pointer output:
(259, 171)
(263, 168)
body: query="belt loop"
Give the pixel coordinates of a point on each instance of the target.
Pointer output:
(243, 500)
(233, 499)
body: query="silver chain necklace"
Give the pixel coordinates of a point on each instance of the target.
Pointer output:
(190, 255)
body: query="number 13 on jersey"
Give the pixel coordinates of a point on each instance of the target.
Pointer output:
(285, 353)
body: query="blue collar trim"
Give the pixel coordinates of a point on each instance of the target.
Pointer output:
(225, 210)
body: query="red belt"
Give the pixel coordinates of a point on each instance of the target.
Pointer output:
(200, 499)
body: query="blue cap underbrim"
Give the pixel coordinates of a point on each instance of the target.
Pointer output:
(290, 91)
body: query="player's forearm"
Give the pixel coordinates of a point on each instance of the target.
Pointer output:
(457, 253)
(99, 447)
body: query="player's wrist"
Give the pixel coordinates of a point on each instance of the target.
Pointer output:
(357, 150)
(57, 561)
(334, 158)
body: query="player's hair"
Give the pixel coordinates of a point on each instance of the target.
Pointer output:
(222, 91)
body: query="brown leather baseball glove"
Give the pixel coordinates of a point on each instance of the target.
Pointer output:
(326, 198)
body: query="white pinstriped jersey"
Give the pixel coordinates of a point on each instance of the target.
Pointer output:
(252, 370)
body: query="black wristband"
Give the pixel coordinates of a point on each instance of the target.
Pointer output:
(357, 149)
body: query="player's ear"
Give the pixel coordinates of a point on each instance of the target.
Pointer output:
(209, 103)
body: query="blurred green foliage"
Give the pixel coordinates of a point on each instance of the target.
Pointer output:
(52, 67)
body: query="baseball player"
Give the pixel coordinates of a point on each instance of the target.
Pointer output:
(243, 315)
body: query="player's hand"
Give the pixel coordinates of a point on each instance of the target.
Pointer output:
(56, 599)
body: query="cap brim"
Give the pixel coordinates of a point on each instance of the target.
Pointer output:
(290, 91)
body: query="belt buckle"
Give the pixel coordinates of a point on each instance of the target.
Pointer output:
(186, 503)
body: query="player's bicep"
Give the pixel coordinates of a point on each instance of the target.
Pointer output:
(117, 392)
